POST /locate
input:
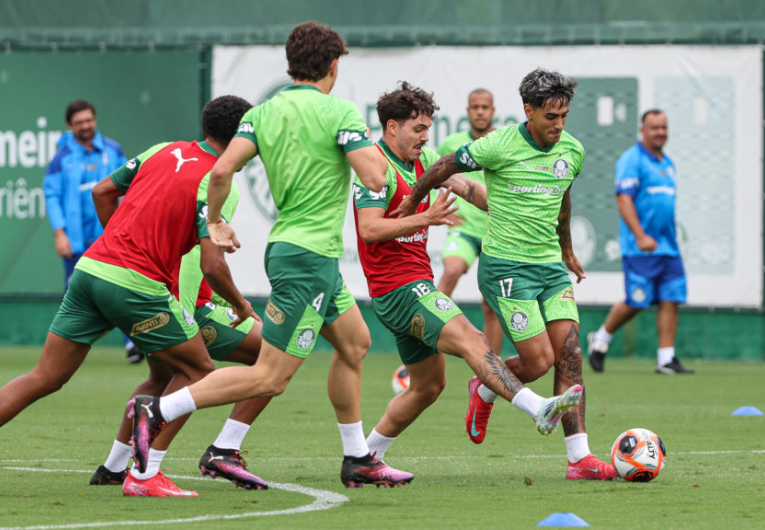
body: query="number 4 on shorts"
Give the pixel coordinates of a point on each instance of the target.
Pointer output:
(317, 302)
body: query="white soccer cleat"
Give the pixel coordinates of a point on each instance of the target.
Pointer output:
(552, 409)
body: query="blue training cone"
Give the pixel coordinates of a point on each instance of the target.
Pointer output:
(747, 411)
(563, 519)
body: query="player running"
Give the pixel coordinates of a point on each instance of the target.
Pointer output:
(425, 322)
(224, 343)
(529, 169)
(308, 140)
(126, 277)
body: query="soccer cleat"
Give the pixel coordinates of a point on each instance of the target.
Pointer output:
(134, 355)
(229, 464)
(552, 409)
(590, 468)
(157, 486)
(368, 470)
(674, 367)
(596, 351)
(104, 477)
(147, 424)
(478, 413)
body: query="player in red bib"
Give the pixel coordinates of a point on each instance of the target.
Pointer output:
(426, 323)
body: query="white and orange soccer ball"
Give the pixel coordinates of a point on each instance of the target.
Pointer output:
(400, 379)
(638, 455)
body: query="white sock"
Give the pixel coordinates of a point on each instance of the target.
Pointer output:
(354, 443)
(528, 401)
(577, 447)
(177, 404)
(119, 457)
(665, 355)
(378, 444)
(602, 335)
(487, 394)
(152, 467)
(232, 435)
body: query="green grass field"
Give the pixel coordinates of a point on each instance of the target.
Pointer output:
(714, 478)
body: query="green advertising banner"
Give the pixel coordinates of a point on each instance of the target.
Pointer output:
(141, 98)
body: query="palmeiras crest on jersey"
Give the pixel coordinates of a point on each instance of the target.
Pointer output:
(255, 172)
(560, 169)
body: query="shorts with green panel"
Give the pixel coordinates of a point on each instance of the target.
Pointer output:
(415, 313)
(307, 292)
(93, 306)
(461, 245)
(525, 296)
(215, 326)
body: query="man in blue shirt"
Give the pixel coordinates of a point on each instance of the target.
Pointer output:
(84, 158)
(653, 267)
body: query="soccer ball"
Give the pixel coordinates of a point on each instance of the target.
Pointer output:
(638, 455)
(400, 379)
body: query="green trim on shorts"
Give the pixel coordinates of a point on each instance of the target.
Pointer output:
(127, 278)
(93, 306)
(526, 295)
(215, 326)
(415, 313)
(461, 245)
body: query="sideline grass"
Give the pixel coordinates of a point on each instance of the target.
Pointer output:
(714, 476)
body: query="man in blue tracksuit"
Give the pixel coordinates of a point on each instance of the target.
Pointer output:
(84, 158)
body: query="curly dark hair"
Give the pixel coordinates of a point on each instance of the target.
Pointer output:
(76, 106)
(542, 85)
(404, 103)
(311, 48)
(221, 117)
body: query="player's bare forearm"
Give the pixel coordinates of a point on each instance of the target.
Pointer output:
(106, 199)
(564, 225)
(370, 165)
(435, 176)
(218, 190)
(385, 229)
(218, 275)
(473, 192)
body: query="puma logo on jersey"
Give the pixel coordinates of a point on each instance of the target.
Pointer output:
(177, 154)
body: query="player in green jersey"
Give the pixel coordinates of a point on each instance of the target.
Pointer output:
(426, 323)
(529, 169)
(464, 239)
(308, 141)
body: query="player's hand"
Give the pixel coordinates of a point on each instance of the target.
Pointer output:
(575, 266)
(223, 236)
(63, 246)
(406, 208)
(441, 212)
(646, 243)
(243, 312)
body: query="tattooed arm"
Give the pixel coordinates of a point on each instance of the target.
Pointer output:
(473, 192)
(445, 167)
(564, 238)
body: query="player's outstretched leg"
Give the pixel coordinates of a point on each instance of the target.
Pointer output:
(157, 486)
(147, 424)
(368, 470)
(552, 409)
(229, 464)
(478, 413)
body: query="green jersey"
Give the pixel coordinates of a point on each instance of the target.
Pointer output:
(476, 221)
(525, 186)
(302, 136)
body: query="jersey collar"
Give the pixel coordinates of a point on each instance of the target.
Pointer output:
(206, 147)
(302, 87)
(393, 156)
(530, 139)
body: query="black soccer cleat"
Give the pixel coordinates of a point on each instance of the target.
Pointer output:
(105, 477)
(674, 367)
(368, 470)
(133, 355)
(147, 424)
(229, 464)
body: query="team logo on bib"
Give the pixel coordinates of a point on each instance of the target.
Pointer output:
(444, 304)
(417, 329)
(150, 324)
(305, 339)
(519, 321)
(638, 295)
(209, 334)
(188, 318)
(560, 169)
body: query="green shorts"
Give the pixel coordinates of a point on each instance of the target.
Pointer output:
(461, 245)
(93, 306)
(307, 292)
(525, 296)
(415, 313)
(214, 325)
